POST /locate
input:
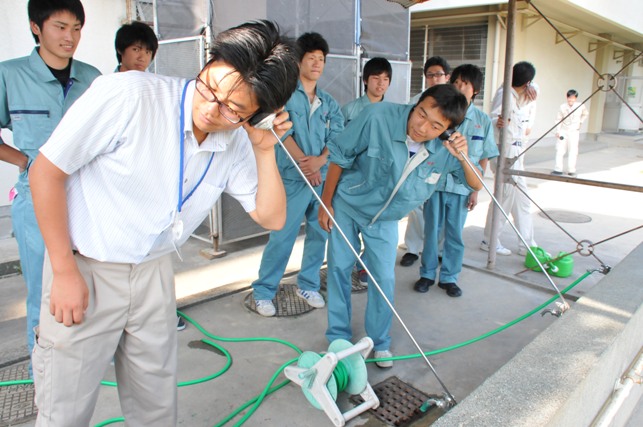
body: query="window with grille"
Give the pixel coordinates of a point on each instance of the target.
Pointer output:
(458, 45)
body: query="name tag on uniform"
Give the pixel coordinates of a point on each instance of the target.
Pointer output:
(433, 178)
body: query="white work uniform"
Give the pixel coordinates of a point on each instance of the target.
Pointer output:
(568, 131)
(514, 202)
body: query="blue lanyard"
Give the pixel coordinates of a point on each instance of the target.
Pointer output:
(182, 201)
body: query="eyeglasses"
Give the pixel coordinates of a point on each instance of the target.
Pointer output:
(208, 94)
(434, 75)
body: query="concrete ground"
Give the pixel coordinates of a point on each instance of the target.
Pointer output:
(213, 292)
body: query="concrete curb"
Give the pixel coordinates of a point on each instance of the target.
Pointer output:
(569, 371)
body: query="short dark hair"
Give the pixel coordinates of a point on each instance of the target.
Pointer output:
(266, 61)
(310, 42)
(468, 73)
(41, 10)
(452, 104)
(376, 66)
(523, 72)
(572, 92)
(135, 32)
(437, 60)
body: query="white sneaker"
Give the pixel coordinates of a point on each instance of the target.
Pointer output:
(265, 307)
(383, 354)
(522, 251)
(313, 298)
(500, 250)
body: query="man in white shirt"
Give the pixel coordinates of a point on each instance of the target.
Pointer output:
(523, 94)
(571, 116)
(130, 172)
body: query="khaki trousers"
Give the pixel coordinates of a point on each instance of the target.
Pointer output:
(131, 317)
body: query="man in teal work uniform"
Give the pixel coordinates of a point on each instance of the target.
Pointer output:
(448, 207)
(376, 76)
(372, 183)
(35, 92)
(316, 119)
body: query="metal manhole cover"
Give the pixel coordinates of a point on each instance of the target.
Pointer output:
(356, 285)
(17, 400)
(286, 302)
(567, 216)
(399, 402)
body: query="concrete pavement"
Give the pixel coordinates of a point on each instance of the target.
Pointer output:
(213, 292)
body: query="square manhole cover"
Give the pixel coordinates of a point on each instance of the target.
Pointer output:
(399, 402)
(17, 400)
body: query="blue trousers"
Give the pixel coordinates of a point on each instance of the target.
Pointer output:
(31, 248)
(448, 212)
(380, 248)
(301, 204)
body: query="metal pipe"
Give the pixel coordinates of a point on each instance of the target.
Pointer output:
(590, 182)
(506, 107)
(622, 390)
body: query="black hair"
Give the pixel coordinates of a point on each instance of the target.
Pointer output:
(437, 60)
(468, 73)
(449, 100)
(135, 32)
(265, 61)
(41, 10)
(523, 73)
(376, 66)
(310, 42)
(572, 92)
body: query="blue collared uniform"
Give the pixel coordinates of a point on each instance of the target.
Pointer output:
(32, 102)
(353, 108)
(379, 185)
(312, 132)
(448, 207)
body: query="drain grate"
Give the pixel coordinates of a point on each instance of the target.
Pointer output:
(567, 216)
(286, 301)
(17, 401)
(356, 285)
(399, 402)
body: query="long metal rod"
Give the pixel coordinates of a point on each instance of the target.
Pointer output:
(589, 64)
(555, 125)
(590, 182)
(359, 259)
(504, 137)
(522, 239)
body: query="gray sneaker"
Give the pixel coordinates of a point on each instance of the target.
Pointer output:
(382, 355)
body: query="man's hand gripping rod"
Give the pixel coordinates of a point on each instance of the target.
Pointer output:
(562, 306)
(267, 125)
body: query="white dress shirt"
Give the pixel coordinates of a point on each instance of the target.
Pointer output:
(120, 144)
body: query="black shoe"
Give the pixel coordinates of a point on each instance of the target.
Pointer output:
(180, 324)
(423, 285)
(556, 173)
(408, 259)
(452, 289)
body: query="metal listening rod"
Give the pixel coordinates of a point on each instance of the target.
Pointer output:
(377, 286)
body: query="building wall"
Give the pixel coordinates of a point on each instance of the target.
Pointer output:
(102, 19)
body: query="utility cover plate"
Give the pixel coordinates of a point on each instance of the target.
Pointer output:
(17, 400)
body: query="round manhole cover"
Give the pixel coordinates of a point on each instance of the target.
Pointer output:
(567, 216)
(286, 302)
(356, 285)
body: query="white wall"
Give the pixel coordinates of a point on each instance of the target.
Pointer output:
(102, 19)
